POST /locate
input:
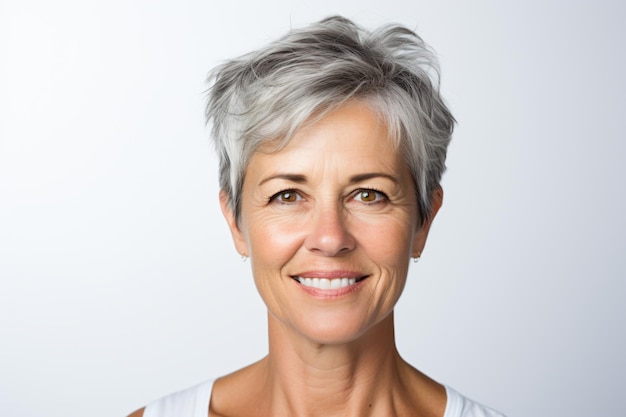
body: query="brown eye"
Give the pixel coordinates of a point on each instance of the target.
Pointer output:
(370, 196)
(367, 196)
(288, 197)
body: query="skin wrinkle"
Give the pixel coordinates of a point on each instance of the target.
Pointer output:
(327, 217)
(329, 357)
(326, 104)
(273, 92)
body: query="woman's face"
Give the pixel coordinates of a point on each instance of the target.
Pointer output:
(330, 223)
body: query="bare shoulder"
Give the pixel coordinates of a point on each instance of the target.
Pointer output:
(138, 413)
(226, 399)
(426, 395)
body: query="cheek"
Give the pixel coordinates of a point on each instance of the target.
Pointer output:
(388, 241)
(273, 244)
(273, 241)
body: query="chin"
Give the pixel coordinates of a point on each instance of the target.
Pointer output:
(329, 330)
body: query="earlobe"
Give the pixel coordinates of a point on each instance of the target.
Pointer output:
(238, 238)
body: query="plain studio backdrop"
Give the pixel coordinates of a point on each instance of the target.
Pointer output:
(118, 279)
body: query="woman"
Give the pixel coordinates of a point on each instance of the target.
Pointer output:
(332, 143)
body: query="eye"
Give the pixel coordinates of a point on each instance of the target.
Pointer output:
(286, 196)
(370, 196)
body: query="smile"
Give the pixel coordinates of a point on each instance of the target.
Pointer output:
(327, 283)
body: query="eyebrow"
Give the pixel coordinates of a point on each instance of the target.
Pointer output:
(370, 175)
(300, 179)
(297, 178)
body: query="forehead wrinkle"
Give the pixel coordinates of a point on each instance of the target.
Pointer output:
(323, 169)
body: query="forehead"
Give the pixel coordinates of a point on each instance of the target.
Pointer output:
(351, 137)
(353, 124)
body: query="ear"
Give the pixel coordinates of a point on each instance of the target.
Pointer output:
(419, 239)
(238, 237)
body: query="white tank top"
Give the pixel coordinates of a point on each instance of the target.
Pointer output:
(194, 402)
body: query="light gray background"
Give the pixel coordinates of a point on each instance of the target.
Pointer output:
(119, 282)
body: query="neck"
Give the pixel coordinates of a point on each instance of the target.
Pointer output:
(310, 378)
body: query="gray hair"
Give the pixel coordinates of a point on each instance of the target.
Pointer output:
(266, 95)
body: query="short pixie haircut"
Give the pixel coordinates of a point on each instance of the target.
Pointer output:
(264, 96)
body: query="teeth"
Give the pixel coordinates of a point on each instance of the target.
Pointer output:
(325, 283)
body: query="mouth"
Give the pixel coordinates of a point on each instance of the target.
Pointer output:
(328, 283)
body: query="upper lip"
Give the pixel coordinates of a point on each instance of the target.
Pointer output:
(330, 274)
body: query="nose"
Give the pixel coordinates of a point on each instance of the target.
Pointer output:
(328, 234)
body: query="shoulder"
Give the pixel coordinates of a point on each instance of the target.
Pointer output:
(227, 398)
(191, 402)
(138, 413)
(461, 406)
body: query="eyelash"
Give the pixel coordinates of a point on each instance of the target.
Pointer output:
(380, 196)
(276, 197)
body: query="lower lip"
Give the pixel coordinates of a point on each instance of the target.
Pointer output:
(331, 293)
